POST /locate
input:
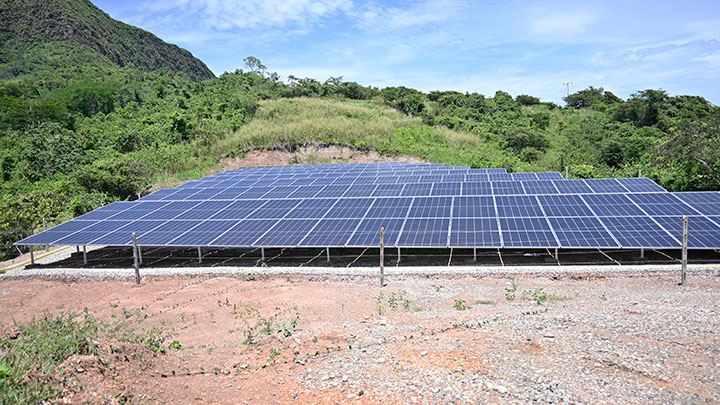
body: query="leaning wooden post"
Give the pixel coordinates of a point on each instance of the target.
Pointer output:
(382, 256)
(135, 260)
(684, 250)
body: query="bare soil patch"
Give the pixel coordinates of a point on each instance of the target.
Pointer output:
(341, 339)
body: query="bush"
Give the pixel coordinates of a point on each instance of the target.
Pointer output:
(120, 176)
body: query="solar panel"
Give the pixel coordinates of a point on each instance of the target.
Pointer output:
(420, 205)
(581, 232)
(706, 203)
(474, 232)
(639, 232)
(331, 232)
(419, 232)
(287, 233)
(641, 185)
(527, 232)
(702, 232)
(662, 204)
(518, 206)
(368, 232)
(564, 206)
(610, 205)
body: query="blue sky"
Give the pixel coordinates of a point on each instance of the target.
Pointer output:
(521, 47)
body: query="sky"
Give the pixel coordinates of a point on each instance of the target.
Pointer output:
(521, 47)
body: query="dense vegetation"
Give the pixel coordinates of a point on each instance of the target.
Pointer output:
(77, 131)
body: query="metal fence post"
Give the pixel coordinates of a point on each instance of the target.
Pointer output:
(47, 247)
(382, 256)
(135, 260)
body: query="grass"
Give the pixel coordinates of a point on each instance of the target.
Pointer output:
(31, 353)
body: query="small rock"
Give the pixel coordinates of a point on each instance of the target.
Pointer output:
(344, 378)
(381, 360)
(424, 353)
(361, 393)
(298, 341)
(80, 370)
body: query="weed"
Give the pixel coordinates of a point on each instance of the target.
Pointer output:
(175, 345)
(250, 277)
(511, 290)
(392, 301)
(314, 339)
(273, 353)
(437, 287)
(460, 305)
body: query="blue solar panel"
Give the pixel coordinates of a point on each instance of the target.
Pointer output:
(641, 185)
(474, 207)
(507, 188)
(611, 205)
(662, 204)
(280, 192)
(108, 210)
(474, 232)
(500, 176)
(331, 192)
(430, 207)
(123, 235)
(331, 232)
(205, 210)
(306, 192)
(446, 189)
(312, 208)
(204, 233)
(419, 232)
(639, 232)
(527, 232)
(518, 206)
(171, 210)
(274, 209)
(477, 188)
(539, 187)
(368, 233)
(244, 233)
(564, 206)
(605, 186)
(702, 232)
(549, 176)
(360, 190)
(287, 233)
(239, 209)
(166, 232)
(350, 208)
(707, 203)
(581, 232)
(419, 190)
(572, 186)
(390, 208)
(524, 176)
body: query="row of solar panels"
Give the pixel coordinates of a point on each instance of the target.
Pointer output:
(316, 189)
(383, 179)
(564, 221)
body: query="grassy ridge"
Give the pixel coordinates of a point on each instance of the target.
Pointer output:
(287, 123)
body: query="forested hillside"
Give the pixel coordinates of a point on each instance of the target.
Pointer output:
(78, 130)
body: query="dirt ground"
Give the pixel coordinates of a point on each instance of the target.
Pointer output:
(417, 340)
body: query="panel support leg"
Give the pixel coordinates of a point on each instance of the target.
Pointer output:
(77, 248)
(262, 254)
(556, 253)
(32, 255)
(382, 257)
(327, 253)
(399, 255)
(139, 249)
(642, 253)
(199, 254)
(84, 254)
(475, 254)
(47, 247)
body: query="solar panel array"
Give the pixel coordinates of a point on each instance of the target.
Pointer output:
(419, 205)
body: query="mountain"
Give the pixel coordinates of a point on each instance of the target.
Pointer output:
(38, 33)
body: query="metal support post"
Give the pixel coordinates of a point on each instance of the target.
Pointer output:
(77, 248)
(382, 257)
(139, 249)
(642, 253)
(474, 254)
(199, 254)
(684, 250)
(84, 254)
(32, 255)
(47, 247)
(135, 260)
(262, 254)
(556, 253)
(399, 255)
(639, 172)
(327, 252)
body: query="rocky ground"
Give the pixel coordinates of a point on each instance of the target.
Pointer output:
(335, 339)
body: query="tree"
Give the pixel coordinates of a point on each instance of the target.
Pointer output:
(255, 65)
(590, 97)
(524, 99)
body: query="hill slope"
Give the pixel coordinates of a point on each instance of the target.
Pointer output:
(73, 27)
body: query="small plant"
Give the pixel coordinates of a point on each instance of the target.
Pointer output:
(314, 339)
(250, 277)
(511, 290)
(392, 301)
(437, 287)
(273, 353)
(540, 296)
(380, 305)
(460, 305)
(175, 345)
